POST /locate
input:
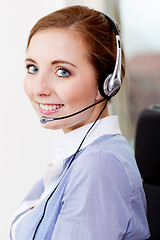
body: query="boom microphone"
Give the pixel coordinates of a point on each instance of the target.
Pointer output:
(44, 119)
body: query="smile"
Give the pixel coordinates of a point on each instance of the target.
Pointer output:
(49, 107)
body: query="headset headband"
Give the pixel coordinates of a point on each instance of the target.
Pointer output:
(110, 85)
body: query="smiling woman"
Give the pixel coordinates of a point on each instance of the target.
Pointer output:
(75, 64)
(57, 76)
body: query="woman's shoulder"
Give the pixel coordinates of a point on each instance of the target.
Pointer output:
(106, 170)
(107, 148)
(110, 154)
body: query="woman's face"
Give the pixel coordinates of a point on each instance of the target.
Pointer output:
(60, 80)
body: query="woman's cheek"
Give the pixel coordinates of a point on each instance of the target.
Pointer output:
(27, 88)
(67, 92)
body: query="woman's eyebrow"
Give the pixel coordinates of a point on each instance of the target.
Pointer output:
(53, 62)
(30, 60)
(62, 61)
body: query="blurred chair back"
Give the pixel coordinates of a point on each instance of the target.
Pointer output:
(147, 153)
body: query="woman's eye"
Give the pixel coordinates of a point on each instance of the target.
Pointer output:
(32, 69)
(62, 72)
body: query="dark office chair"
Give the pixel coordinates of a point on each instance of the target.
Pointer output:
(147, 153)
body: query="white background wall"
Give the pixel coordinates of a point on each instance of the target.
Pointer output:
(140, 22)
(25, 147)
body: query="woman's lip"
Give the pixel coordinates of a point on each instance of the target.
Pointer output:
(49, 109)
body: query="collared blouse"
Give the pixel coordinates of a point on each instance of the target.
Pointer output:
(100, 196)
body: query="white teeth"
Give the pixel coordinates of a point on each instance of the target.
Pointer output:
(46, 107)
(50, 107)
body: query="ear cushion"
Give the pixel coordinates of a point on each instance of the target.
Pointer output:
(108, 88)
(103, 82)
(114, 87)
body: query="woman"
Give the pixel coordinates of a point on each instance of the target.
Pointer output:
(93, 189)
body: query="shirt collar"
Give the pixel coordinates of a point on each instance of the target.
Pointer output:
(70, 142)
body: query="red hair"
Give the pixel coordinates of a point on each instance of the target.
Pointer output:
(94, 29)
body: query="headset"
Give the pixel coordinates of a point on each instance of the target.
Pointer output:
(109, 85)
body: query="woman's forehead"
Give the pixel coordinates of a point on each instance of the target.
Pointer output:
(60, 41)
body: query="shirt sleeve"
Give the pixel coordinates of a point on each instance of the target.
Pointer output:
(96, 201)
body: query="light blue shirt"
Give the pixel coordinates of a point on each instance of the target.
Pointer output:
(99, 198)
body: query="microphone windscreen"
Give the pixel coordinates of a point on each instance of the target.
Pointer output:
(43, 120)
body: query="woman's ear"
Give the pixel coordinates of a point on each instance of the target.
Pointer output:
(99, 97)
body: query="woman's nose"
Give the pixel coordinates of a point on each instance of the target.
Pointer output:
(42, 86)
